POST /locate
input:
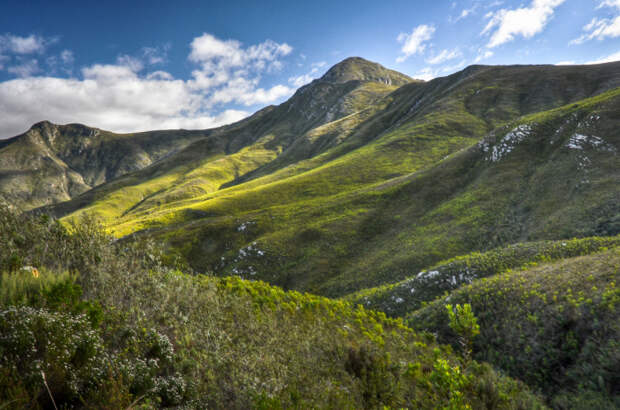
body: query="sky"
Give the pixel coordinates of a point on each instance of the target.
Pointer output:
(128, 66)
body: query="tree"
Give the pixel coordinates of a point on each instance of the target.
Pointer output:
(464, 323)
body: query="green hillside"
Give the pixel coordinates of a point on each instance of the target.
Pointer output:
(495, 187)
(107, 326)
(401, 298)
(555, 326)
(402, 186)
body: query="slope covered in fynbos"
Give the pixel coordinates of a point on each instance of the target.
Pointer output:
(110, 326)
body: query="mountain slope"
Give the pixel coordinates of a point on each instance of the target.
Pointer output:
(275, 136)
(122, 330)
(385, 202)
(401, 298)
(53, 163)
(555, 326)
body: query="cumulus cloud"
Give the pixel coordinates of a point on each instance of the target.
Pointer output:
(214, 53)
(109, 97)
(10, 43)
(444, 56)
(414, 42)
(231, 73)
(504, 25)
(128, 96)
(601, 28)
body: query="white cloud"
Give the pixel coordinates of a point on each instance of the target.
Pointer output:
(483, 55)
(608, 59)
(465, 13)
(24, 45)
(133, 63)
(445, 55)
(109, 97)
(428, 73)
(67, 57)
(155, 55)
(231, 73)
(505, 24)
(221, 54)
(415, 42)
(453, 68)
(425, 74)
(609, 3)
(127, 96)
(300, 80)
(599, 29)
(304, 79)
(566, 62)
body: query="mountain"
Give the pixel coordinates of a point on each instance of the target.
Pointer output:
(53, 163)
(353, 184)
(495, 188)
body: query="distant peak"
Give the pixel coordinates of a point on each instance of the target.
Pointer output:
(357, 68)
(42, 124)
(49, 130)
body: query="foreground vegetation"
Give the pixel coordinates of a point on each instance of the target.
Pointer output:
(555, 326)
(89, 322)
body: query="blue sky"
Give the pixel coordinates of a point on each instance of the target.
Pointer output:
(139, 65)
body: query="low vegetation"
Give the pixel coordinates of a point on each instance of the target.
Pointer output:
(399, 299)
(109, 325)
(555, 326)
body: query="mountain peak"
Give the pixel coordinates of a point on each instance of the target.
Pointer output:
(357, 68)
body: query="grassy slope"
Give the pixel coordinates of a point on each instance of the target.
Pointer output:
(554, 326)
(383, 201)
(401, 298)
(120, 330)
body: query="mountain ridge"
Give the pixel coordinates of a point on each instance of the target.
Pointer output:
(331, 217)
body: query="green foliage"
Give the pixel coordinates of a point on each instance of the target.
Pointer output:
(169, 339)
(393, 180)
(61, 347)
(399, 299)
(450, 382)
(464, 324)
(554, 326)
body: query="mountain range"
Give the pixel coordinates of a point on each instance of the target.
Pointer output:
(397, 194)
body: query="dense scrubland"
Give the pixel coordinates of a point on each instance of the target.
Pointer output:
(102, 323)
